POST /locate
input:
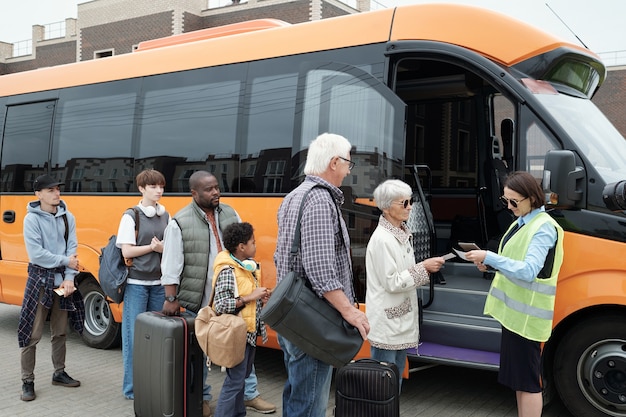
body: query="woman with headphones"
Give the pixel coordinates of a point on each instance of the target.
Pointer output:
(140, 237)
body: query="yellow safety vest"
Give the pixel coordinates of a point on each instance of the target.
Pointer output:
(523, 307)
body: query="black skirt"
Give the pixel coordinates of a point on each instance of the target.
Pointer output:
(520, 363)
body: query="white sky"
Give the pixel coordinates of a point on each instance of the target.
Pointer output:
(599, 24)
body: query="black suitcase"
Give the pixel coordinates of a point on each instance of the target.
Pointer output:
(167, 366)
(367, 388)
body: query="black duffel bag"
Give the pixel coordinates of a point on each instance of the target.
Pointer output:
(311, 323)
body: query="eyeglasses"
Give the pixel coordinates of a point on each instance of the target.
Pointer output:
(406, 203)
(513, 202)
(352, 164)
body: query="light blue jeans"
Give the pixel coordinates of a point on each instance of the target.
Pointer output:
(137, 299)
(251, 392)
(206, 388)
(390, 356)
(307, 388)
(231, 399)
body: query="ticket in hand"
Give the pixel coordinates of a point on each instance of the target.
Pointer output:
(448, 256)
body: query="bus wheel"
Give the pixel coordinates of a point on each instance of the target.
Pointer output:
(101, 330)
(590, 367)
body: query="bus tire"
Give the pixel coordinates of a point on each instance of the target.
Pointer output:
(101, 330)
(590, 367)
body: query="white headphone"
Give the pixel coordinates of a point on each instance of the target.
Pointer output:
(150, 211)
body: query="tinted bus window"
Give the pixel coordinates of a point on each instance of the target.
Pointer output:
(270, 119)
(189, 122)
(26, 144)
(93, 137)
(268, 135)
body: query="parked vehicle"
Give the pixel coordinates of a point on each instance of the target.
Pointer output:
(448, 97)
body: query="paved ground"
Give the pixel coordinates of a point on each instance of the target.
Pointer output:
(439, 391)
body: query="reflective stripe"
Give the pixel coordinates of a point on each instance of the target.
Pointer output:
(520, 307)
(536, 286)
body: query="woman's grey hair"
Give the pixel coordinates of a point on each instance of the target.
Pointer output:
(322, 150)
(390, 190)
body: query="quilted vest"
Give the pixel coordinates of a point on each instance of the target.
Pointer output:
(196, 234)
(246, 283)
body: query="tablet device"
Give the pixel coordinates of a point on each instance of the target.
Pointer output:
(467, 246)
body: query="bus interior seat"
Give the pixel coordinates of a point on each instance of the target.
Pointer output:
(507, 129)
(496, 171)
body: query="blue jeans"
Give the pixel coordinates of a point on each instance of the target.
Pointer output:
(307, 388)
(231, 402)
(251, 392)
(206, 388)
(390, 356)
(137, 299)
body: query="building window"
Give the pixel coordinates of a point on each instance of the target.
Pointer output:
(275, 168)
(103, 54)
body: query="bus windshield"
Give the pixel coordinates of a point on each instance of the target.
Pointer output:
(596, 137)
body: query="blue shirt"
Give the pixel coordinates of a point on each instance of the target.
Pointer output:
(540, 244)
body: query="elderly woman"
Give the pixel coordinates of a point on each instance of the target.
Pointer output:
(393, 276)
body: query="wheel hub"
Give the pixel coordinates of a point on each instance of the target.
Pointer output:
(97, 314)
(602, 375)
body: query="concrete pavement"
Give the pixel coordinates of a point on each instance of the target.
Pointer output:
(438, 391)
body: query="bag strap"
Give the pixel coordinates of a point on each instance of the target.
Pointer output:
(66, 235)
(129, 261)
(136, 211)
(295, 245)
(215, 285)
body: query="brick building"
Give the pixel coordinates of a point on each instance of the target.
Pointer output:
(611, 98)
(112, 27)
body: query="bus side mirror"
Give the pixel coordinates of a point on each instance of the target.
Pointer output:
(614, 196)
(563, 181)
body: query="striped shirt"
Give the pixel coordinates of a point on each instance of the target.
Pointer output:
(324, 253)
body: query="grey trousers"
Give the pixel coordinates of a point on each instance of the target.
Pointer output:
(58, 335)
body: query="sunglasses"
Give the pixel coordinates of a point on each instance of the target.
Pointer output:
(352, 164)
(512, 202)
(406, 203)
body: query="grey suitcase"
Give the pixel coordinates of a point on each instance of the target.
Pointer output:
(167, 366)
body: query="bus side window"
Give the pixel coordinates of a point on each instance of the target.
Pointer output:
(536, 142)
(25, 145)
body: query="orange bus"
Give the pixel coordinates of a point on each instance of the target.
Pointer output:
(448, 97)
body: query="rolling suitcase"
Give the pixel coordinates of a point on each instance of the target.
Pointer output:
(167, 366)
(367, 388)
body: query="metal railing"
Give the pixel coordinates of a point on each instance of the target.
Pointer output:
(22, 48)
(51, 31)
(613, 58)
(54, 30)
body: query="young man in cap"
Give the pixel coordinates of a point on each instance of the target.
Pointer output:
(50, 237)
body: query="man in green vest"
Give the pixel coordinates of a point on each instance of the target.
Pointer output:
(187, 271)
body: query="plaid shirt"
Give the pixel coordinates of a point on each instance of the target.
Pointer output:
(43, 279)
(225, 303)
(324, 253)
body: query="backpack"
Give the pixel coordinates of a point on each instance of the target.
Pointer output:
(114, 267)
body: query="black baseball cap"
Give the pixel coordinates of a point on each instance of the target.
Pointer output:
(45, 181)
